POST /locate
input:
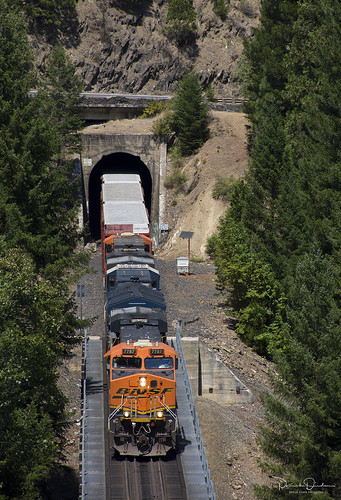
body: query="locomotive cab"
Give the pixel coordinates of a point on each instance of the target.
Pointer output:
(142, 418)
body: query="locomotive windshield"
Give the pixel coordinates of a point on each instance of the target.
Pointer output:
(127, 362)
(154, 363)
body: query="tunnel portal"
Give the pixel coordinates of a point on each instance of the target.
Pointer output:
(119, 163)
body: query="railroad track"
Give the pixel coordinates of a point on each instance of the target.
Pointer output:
(135, 478)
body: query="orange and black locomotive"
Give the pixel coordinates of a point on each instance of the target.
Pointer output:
(141, 365)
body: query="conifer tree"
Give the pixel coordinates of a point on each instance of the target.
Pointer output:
(39, 201)
(181, 21)
(47, 12)
(36, 331)
(303, 438)
(190, 119)
(266, 72)
(313, 130)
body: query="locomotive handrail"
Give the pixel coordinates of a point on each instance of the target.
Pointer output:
(125, 401)
(168, 409)
(113, 413)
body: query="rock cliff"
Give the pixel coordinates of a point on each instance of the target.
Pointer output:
(120, 46)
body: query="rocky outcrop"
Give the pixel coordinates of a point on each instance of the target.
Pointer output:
(120, 46)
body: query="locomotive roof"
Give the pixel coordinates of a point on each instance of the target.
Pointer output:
(142, 346)
(138, 257)
(134, 333)
(139, 317)
(128, 242)
(133, 267)
(135, 294)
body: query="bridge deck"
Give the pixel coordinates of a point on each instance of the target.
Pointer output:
(190, 454)
(93, 460)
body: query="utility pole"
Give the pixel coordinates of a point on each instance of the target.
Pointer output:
(80, 294)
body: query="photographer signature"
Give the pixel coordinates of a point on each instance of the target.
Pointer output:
(308, 484)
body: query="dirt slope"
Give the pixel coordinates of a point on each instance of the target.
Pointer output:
(224, 154)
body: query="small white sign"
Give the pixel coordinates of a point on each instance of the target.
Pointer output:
(87, 162)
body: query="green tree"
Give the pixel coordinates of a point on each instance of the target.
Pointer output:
(313, 128)
(253, 293)
(37, 330)
(39, 190)
(190, 119)
(181, 21)
(303, 438)
(265, 71)
(47, 12)
(220, 8)
(38, 203)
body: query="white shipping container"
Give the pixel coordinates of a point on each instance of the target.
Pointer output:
(122, 191)
(121, 187)
(115, 178)
(125, 212)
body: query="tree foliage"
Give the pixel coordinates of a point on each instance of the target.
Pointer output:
(286, 213)
(303, 438)
(39, 201)
(181, 21)
(190, 119)
(47, 12)
(39, 238)
(37, 326)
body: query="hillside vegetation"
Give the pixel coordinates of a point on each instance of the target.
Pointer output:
(277, 249)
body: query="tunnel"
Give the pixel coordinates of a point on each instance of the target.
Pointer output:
(119, 163)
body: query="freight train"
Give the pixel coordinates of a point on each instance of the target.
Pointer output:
(141, 365)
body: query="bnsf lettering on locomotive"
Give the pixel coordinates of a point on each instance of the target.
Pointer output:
(122, 390)
(139, 392)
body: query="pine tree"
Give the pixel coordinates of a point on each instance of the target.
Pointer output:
(47, 13)
(303, 438)
(181, 21)
(39, 202)
(265, 52)
(190, 119)
(37, 326)
(313, 127)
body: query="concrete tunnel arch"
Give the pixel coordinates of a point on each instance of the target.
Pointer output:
(115, 163)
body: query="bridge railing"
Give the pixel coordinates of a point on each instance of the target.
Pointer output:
(200, 443)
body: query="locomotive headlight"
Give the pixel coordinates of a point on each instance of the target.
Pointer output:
(143, 381)
(159, 414)
(126, 414)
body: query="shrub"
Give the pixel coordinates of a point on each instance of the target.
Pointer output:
(175, 179)
(181, 21)
(220, 9)
(246, 8)
(223, 187)
(153, 109)
(162, 128)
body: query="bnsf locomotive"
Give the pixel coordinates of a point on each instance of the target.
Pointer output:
(141, 365)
